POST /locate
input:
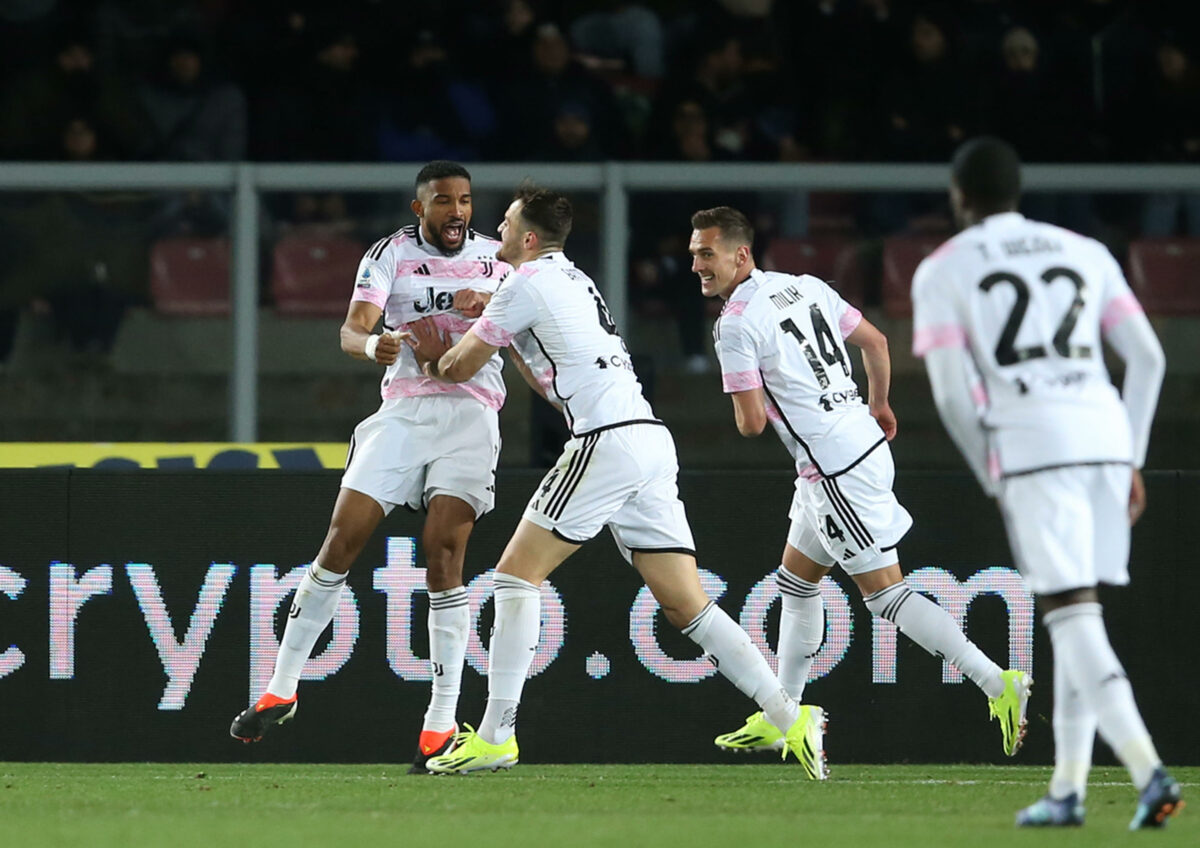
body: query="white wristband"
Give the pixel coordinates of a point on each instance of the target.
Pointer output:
(369, 347)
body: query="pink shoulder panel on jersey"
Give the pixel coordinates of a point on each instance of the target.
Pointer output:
(370, 294)
(741, 381)
(490, 333)
(850, 319)
(943, 335)
(734, 307)
(1118, 309)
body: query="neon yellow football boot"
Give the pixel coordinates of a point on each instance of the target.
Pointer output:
(472, 753)
(806, 740)
(757, 734)
(1010, 708)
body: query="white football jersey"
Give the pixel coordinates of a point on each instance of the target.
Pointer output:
(566, 318)
(786, 333)
(1029, 301)
(409, 279)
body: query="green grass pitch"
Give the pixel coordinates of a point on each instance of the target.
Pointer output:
(739, 805)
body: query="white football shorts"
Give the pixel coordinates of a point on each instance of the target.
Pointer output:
(624, 477)
(414, 448)
(852, 520)
(1069, 527)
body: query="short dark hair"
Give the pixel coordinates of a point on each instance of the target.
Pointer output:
(439, 169)
(987, 171)
(734, 226)
(547, 212)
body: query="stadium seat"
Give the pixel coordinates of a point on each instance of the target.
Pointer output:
(314, 275)
(832, 258)
(901, 256)
(190, 276)
(1163, 274)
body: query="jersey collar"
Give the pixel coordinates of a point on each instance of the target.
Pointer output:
(1002, 219)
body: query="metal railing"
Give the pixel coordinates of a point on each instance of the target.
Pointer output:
(613, 180)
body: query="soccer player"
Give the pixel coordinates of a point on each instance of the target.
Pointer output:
(429, 445)
(1009, 316)
(618, 470)
(781, 341)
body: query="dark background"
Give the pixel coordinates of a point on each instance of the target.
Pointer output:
(182, 522)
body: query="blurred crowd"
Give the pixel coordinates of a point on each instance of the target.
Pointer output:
(593, 80)
(586, 80)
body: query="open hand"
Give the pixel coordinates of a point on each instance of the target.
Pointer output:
(427, 342)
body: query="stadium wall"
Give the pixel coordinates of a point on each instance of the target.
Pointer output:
(139, 611)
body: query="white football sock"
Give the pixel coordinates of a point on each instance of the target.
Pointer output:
(801, 629)
(312, 609)
(935, 630)
(1081, 645)
(514, 640)
(449, 621)
(1074, 733)
(731, 651)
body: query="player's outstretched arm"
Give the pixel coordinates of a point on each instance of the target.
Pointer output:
(877, 362)
(950, 379)
(357, 336)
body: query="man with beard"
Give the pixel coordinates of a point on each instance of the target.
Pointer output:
(430, 445)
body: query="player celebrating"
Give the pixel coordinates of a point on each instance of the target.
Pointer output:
(618, 469)
(781, 343)
(429, 445)
(1009, 316)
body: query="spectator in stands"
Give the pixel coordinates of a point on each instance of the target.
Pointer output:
(192, 116)
(321, 111)
(554, 81)
(924, 108)
(1022, 104)
(572, 139)
(627, 34)
(1168, 119)
(435, 113)
(36, 106)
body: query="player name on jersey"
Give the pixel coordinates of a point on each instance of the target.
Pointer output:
(786, 334)
(1030, 301)
(566, 317)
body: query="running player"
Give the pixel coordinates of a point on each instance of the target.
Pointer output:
(1009, 316)
(781, 343)
(618, 470)
(429, 445)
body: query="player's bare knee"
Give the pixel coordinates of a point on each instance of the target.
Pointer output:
(340, 549)
(443, 567)
(680, 616)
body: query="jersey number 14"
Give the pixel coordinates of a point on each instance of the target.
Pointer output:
(828, 347)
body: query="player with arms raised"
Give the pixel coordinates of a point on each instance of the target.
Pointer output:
(781, 343)
(1010, 316)
(429, 445)
(618, 470)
